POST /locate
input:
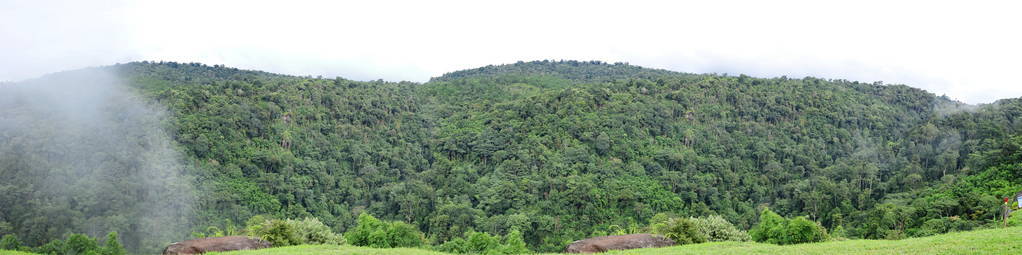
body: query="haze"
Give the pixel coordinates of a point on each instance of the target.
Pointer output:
(968, 51)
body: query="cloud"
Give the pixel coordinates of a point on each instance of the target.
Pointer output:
(964, 50)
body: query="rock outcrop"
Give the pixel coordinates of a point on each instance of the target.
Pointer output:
(622, 242)
(227, 243)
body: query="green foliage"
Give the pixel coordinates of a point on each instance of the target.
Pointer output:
(483, 243)
(312, 231)
(718, 229)
(291, 232)
(279, 233)
(681, 230)
(113, 246)
(839, 233)
(80, 244)
(514, 243)
(383, 234)
(773, 228)
(10, 242)
(802, 230)
(479, 242)
(1015, 219)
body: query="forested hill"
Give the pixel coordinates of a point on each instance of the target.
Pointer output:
(560, 150)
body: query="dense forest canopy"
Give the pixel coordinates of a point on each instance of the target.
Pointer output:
(556, 149)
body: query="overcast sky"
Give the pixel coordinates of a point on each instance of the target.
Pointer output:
(968, 50)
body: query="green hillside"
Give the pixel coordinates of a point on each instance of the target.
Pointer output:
(560, 150)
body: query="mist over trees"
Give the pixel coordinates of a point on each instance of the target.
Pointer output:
(553, 151)
(81, 153)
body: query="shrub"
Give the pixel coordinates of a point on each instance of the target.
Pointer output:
(773, 228)
(681, 230)
(479, 242)
(514, 243)
(483, 243)
(375, 233)
(403, 235)
(718, 229)
(55, 246)
(278, 233)
(802, 230)
(839, 233)
(944, 225)
(291, 232)
(113, 246)
(80, 244)
(10, 242)
(455, 245)
(770, 228)
(1015, 218)
(255, 224)
(312, 231)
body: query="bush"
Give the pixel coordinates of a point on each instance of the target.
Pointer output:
(718, 229)
(514, 243)
(278, 233)
(1015, 218)
(483, 243)
(55, 246)
(839, 233)
(681, 230)
(770, 229)
(80, 244)
(375, 233)
(773, 228)
(291, 232)
(113, 246)
(479, 242)
(944, 225)
(802, 230)
(10, 242)
(312, 231)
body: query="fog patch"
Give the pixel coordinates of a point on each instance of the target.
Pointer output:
(81, 153)
(946, 107)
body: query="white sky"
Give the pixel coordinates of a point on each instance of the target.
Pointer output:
(968, 50)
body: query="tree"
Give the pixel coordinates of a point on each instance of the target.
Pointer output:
(802, 230)
(10, 242)
(681, 230)
(770, 229)
(113, 245)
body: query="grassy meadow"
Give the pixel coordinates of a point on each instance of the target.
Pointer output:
(990, 241)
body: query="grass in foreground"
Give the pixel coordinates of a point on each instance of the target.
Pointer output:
(990, 241)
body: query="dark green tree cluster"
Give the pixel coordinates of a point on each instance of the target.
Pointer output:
(558, 150)
(773, 228)
(373, 232)
(681, 230)
(483, 243)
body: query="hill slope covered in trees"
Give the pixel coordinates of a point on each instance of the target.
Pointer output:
(559, 150)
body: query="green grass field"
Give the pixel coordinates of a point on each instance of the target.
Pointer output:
(991, 241)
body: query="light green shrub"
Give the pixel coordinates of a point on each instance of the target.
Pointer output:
(681, 230)
(312, 231)
(718, 229)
